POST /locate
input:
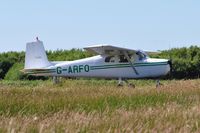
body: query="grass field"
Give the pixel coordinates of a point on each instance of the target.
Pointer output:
(98, 105)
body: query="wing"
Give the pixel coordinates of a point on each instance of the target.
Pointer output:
(109, 50)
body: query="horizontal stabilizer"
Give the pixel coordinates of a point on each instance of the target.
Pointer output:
(38, 71)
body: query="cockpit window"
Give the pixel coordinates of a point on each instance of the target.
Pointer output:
(141, 55)
(123, 59)
(116, 59)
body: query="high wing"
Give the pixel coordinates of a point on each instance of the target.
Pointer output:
(112, 50)
(109, 50)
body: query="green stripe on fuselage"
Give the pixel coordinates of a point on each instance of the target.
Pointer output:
(127, 65)
(133, 64)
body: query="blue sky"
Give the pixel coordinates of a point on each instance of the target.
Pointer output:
(65, 24)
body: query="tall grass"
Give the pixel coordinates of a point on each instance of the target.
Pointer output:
(98, 105)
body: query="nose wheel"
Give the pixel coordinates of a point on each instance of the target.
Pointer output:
(158, 84)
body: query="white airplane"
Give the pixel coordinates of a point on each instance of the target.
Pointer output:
(111, 62)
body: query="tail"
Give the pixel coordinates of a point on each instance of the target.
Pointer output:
(36, 57)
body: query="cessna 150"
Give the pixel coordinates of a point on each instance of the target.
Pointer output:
(111, 62)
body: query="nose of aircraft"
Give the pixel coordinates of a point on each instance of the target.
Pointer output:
(170, 65)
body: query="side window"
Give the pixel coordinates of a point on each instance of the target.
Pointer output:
(107, 59)
(123, 58)
(113, 59)
(116, 59)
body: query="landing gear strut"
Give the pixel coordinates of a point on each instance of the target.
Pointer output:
(121, 83)
(158, 84)
(56, 80)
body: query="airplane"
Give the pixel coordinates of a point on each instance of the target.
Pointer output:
(110, 62)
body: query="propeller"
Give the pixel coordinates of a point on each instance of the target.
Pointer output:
(170, 63)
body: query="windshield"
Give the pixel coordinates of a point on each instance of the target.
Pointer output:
(141, 55)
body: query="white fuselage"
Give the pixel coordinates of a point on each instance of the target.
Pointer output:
(97, 67)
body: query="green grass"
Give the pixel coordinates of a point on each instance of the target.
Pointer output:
(98, 105)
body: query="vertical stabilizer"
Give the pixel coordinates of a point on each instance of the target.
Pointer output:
(36, 57)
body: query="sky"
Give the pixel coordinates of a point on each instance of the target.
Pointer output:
(64, 24)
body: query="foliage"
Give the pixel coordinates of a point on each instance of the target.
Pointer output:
(14, 72)
(67, 55)
(4, 67)
(7, 59)
(12, 57)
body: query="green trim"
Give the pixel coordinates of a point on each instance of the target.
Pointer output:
(39, 72)
(135, 64)
(39, 69)
(44, 71)
(65, 69)
(126, 65)
(47, 70)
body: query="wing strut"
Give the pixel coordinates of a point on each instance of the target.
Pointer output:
(129, 60)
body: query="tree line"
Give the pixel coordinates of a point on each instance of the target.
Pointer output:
(185, 61)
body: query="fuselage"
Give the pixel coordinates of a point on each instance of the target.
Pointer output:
(100, 67)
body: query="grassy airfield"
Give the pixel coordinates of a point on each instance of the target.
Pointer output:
(98, 105)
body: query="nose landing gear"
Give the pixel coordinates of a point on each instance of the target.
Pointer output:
(158, 84)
